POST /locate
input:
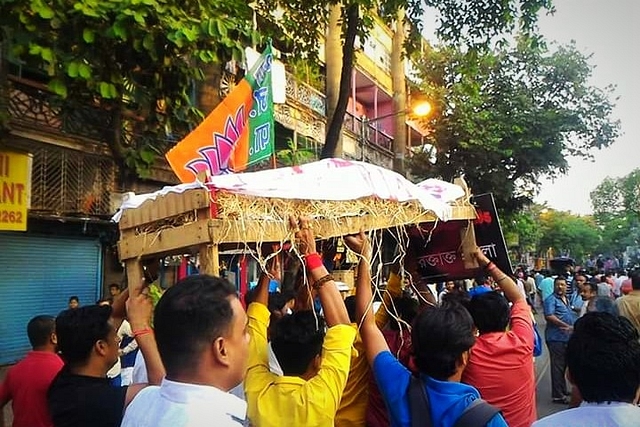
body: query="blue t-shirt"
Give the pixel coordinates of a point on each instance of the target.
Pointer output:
(447, 399)
(546, 288)
(555, 306)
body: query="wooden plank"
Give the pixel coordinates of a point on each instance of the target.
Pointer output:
(134, 275)
(468, 239)
(163, 207)
(163, 242)
(209, 260)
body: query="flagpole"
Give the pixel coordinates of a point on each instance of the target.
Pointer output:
(274, 163)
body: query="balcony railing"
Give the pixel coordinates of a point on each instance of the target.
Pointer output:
(33, 105)
(64, 181)
(371, 134)
(306, 96)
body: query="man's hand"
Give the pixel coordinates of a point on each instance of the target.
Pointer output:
(139, 309)
(359, 243)
(480, 257)
(273, 268)
(304, 235)
(118, 306)
(273, 265)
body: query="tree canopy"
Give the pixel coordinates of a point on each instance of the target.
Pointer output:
(568, 234)
(616, 208)
(507, 116)
(134, 58)
(472, 23)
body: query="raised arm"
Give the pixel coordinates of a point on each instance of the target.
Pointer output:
(139, 310)
(262, 289)
(118, 308)
(394, 290)
(503, 280)
(374, 342)
(258, 373)
(335, 312)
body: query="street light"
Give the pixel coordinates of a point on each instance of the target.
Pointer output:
(421, 109)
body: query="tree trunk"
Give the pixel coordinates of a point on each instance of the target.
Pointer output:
(208, 90)
(399, 93)
(334, 129)
(333, 67)
(114, 140)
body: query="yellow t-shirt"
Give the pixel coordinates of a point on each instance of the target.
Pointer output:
(279, 401)
(353, 406)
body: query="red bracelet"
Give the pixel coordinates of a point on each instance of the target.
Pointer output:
(313, 261)
(141, 332)
(490, 267)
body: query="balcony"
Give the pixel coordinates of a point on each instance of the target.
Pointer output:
(32, 106)
(371, 135)
(72, 171)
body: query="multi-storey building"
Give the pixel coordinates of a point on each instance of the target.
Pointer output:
(371, 98)
(68, 247)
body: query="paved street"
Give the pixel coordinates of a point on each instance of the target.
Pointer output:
(543, 378)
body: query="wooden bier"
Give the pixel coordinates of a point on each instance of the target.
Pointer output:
(177, 223)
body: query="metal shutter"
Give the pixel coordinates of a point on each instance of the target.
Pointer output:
(38, 274)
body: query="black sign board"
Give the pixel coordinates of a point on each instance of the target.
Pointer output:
(437, 246)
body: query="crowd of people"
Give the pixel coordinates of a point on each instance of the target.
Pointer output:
(464, 357)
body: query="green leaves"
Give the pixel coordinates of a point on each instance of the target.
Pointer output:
(107, 90)
(568, 234)
(142, 57)
(508, 116)
(148, 156)
(88, 35)
(58, 87)
(79, 69)
(42, 9)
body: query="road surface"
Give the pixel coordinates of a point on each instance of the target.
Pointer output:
(543, 379)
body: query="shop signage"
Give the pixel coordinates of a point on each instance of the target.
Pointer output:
(15, 190)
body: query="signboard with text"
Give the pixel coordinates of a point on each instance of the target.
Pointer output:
(15, 190)
(437, 246)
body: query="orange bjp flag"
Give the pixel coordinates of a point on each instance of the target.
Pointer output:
(238, 132)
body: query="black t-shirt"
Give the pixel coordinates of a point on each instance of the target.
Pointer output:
(81, 401)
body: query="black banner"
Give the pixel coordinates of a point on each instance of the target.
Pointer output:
(437, 246)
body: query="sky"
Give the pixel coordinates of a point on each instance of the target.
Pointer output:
(610, 31)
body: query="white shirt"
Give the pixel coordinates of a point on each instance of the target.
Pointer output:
(615, 414)
(274, 365)
(175, 404)
(125, 331)
(139, 375)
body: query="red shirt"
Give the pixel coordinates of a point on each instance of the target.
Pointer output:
(26, 385)
(501, 368)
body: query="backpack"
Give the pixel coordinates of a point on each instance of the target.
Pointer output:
(477, 414)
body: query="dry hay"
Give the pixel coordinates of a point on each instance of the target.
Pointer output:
(165, 223)
(248, 209)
